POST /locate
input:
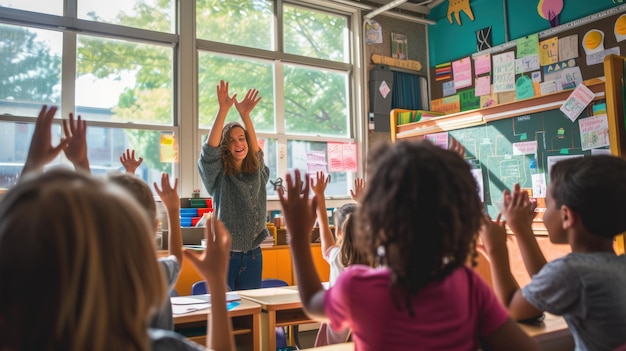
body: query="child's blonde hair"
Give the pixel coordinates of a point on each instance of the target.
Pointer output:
(77, 266)
(138, 189)
(350, 254)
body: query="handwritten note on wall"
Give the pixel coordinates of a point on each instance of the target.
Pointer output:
(504, 72)
(342, 157)
(462, 70)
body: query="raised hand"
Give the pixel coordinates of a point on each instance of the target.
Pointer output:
(129, 162)
(518, 210)
(359, 189)
(168, 193)
(213, 262)
(298, 210)
(248, 103)
(41, 151)
(493, 235)
(318, 185)
(76, 151)
(225, 101)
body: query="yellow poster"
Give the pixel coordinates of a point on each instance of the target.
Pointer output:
(549, 51)
(448, 104)
(168, 148)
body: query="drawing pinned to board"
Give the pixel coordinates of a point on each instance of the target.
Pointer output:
(550, 10)
(399, 46)
(483, 39)
(373, 32)
(620, 28)
(549, 51)
(568, 47)
(456, 6)
(593, 41)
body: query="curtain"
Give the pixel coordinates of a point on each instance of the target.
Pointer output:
(406, 91)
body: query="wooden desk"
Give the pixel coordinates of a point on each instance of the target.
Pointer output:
(552, 334)
(245, 319)
(280, 307)
(346, 346)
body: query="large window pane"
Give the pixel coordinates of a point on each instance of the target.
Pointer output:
(240, 22)
(16, 139)
(316, 34)
(299, 158)
(242, 74)
(124, 81)
(316, 101)
(155, 15)
(51, 7)
(31, 69)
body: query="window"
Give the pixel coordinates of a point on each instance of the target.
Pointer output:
(125, 68)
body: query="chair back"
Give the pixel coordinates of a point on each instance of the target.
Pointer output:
(273, 283)
(199, 288)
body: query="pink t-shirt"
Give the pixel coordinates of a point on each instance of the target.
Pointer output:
(449, 315)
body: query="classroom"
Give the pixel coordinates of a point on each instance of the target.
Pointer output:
(519, 85)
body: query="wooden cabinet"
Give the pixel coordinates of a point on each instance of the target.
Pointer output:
(276, 264)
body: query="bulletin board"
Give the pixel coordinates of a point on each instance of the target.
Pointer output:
(604, 21)
(498, 150)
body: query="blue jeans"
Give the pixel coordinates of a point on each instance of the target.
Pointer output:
(245, 269)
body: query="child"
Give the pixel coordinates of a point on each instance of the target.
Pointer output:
(338, 254)
(420, 214)
(171, 265)
(91, 249)
(233, 171)
(583, 209)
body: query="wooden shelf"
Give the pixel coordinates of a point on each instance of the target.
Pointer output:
(481, 116)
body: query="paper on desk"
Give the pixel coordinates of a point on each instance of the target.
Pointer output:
(187, 304)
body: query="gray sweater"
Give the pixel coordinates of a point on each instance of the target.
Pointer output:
(240, 200)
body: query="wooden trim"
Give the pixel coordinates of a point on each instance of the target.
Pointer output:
(411, 65)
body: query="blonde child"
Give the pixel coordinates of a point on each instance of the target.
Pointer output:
(91, 249)
(234, 174)
(420, 216)
(583, 209)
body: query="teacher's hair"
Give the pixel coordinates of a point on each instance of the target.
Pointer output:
(77, 266)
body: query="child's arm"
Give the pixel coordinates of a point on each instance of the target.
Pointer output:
(213, 265)
(41, 151)
(519, 212)
(129, 162)
(171, 201)
(76, 150)
(326, 236)
(510, 337)
(226, 102)
(300, 216)
(493, 236)
(245, 107)
(359, 189)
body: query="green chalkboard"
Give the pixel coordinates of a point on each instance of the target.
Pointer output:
(498, 151)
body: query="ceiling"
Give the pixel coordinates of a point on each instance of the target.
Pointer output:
(410, 7)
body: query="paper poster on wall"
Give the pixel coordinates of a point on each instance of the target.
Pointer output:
(384, 89)
(478, 176)
(315, 161)
(620, 28)
(549, 51)
(447, 105)
(482, 64)
(527, 64)
(593, 41)
(539, 185)
(373, 32)
(551, 160)
(528, 46)
(443, 71)
(469, 100)
(594, 132)
(448, 88)
(488, 100)
(504, 72)
(568, 47)
(598, 57)
(525, 148)
(462, 71)
(399, 46)
(483, 86)
(342, 157)
(577, 101)
(439, 139)
(483, 39)
(524, 88)
(536, 77)
(168, 150)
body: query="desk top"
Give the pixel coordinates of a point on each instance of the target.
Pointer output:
(346, 346)
(273, 299)
(246, 308)
(552, 326)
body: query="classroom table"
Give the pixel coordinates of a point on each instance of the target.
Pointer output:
(552, 334)
(280, 307)
(245, 319)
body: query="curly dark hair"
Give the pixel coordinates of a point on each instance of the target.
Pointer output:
(595, 188)
(422, 206)
(250, 163)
